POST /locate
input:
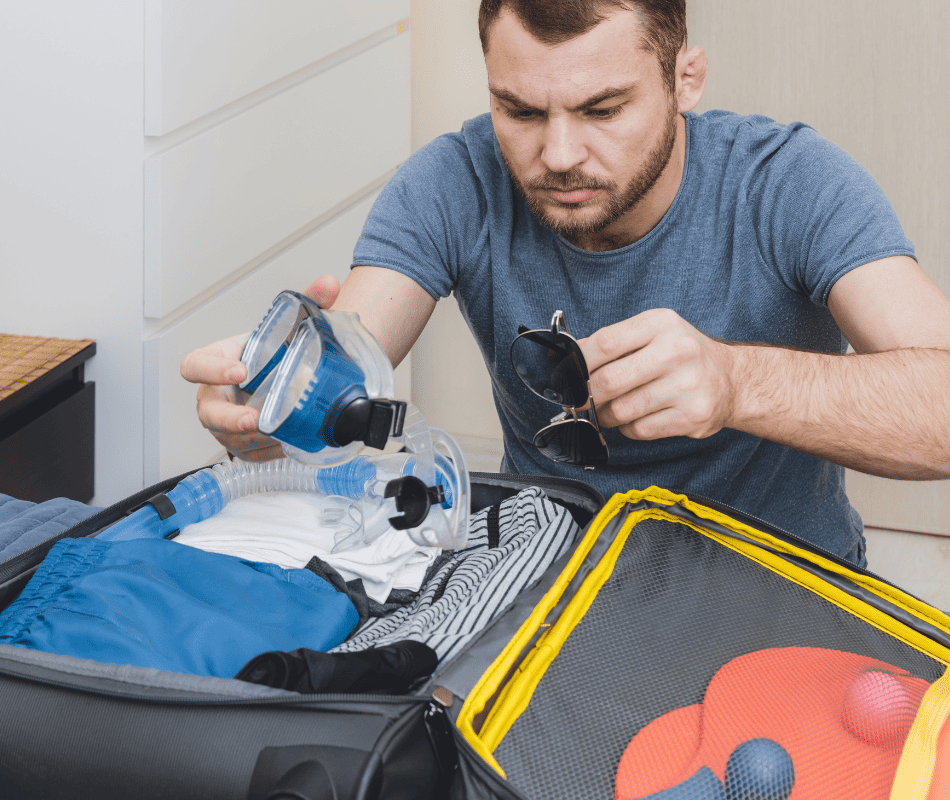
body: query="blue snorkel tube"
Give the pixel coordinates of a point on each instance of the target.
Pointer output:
(323, 386)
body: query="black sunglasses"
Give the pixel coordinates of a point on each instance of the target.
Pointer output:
(550, 363)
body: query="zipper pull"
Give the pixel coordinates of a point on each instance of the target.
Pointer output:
(439, 727)
(443, 696)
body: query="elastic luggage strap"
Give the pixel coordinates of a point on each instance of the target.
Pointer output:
(505, 689)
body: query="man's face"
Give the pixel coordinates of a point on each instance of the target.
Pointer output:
(587, 127)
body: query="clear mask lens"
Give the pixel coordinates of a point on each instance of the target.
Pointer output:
(294, 380)
(269, 342)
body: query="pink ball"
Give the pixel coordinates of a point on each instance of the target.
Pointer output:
(878, 709)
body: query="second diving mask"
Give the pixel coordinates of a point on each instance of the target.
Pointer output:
(321, 382)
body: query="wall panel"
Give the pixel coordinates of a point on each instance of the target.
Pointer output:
(868, 75)
(203, 55)
(219, 199)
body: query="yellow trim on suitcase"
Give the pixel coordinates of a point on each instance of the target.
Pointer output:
(919, 757)
(770, 556)
(487, 685)
(838, 597)
(513, 698)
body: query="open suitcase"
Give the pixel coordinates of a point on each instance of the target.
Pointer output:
(678, 650)
(71, 729)
(689, 651)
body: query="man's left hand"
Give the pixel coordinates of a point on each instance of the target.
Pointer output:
(654, 375)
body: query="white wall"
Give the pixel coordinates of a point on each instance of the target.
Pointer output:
(867, 74)
(68, 74)
(450, 384)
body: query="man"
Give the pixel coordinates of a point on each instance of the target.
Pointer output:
(714, 268)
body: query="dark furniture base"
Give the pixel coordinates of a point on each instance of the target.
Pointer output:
(47, 434)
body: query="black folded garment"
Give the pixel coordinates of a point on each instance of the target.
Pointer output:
(391, 669)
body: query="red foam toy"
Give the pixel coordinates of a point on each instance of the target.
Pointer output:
(841, 717)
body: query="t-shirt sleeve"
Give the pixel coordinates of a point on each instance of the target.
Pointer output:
(820, 213)
(426, 218)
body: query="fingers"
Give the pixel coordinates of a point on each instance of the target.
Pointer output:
(217, 364)
(324, 290)
(679, 404)
(637, 362)
(627, 336)
(233, 425)
(219, 412)
(657, 376)
(662, 424)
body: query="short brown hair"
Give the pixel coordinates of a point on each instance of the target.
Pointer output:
(556, 21)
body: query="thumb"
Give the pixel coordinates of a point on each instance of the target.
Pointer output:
(323, 290)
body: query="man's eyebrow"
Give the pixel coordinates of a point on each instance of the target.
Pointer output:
(509, 97)
(593, 100)
(606, 94)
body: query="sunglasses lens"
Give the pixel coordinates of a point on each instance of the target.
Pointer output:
(269, 342)
(572, 442)
(552, 366)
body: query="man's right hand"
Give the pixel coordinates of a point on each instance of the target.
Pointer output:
(217, 369)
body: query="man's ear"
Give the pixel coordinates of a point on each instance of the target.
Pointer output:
(692, 67)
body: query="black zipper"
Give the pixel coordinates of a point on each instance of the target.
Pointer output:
(774, 530)
(181, 700)
(566, 488)
(498, 784)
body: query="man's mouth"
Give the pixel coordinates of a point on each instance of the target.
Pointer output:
(573, 195)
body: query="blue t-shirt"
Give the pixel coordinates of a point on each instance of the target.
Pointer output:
(766, 219)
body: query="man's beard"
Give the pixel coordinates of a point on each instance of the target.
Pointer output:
(618, 202)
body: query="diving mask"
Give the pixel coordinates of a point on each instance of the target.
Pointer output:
(321, 382)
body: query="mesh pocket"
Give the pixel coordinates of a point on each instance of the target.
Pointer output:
(696, 667)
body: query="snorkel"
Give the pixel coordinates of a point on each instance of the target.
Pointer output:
(324, 389)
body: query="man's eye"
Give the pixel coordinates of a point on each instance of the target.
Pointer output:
(604, 113)
(522, 114)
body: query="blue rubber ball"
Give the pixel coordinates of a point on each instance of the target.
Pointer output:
(759, 769)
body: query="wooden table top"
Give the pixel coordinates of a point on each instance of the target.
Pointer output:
(25, 359)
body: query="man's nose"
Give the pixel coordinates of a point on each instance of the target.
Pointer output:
(563, 146)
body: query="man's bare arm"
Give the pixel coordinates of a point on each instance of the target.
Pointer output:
(392, 307)
(884, 410)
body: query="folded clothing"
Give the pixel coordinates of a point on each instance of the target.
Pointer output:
(156, 603)
(24, 524)
(290, 528)
(509, 546)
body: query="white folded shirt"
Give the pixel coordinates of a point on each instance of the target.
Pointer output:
(289, 528)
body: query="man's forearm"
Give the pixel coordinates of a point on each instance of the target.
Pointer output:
(886, 414)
